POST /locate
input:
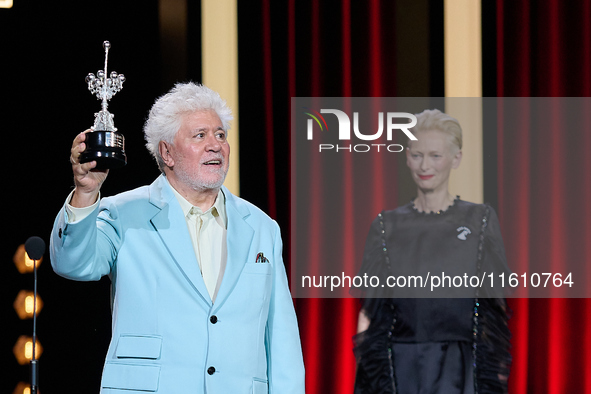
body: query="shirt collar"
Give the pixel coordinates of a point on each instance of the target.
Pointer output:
(219, 205)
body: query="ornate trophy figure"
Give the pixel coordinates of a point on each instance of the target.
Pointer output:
(104, 144)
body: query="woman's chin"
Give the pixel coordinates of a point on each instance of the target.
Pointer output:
(423, 184)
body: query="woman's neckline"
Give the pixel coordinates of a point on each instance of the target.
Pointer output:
(440, 212)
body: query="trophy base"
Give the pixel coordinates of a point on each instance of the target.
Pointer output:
(106, 148)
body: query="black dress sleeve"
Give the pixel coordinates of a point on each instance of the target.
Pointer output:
(491, 315)
(371, 347)
(375, 263)
(495, 260)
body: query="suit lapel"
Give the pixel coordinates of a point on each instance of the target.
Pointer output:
(172, 228)
(239, 239)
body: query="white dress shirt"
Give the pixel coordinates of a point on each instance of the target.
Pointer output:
(208, 233)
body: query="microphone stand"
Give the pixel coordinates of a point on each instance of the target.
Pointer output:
(34, 361)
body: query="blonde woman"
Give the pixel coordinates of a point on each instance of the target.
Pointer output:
(441, 345)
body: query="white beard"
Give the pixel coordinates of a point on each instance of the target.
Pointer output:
(192, 179)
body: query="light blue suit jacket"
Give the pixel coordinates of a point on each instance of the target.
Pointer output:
(168, 337)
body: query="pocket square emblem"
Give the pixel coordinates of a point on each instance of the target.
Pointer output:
(261, 258)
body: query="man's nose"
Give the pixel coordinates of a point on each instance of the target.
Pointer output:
(212, 143)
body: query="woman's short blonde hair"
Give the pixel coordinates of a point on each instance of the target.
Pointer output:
(434, 119)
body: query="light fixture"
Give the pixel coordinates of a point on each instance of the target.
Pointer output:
(23, 349)
(23, 304)
(24, 388)
(5, 3)
(22, 261)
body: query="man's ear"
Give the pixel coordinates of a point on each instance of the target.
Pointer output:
(164, 149)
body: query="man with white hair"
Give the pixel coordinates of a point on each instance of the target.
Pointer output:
(201, 302)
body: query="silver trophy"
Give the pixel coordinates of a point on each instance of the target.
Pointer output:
(104, 144)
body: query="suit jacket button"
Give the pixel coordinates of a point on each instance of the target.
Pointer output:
(211, 370)
(213, 319)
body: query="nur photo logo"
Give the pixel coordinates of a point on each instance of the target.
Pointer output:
(387, 123)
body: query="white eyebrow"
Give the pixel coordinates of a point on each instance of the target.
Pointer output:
(205, 128)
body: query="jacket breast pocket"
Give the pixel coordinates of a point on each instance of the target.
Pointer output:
(255, 281)
(259, 386)
(258, 268)
(139, 346)
(131, 377)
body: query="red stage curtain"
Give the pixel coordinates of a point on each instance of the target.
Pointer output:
(309, 49)
(330, 54)
(544, 188)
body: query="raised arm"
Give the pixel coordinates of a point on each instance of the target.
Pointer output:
(75, 246)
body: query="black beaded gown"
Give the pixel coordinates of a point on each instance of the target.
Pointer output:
(434, 345)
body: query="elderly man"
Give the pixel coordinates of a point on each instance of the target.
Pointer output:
(201, 302)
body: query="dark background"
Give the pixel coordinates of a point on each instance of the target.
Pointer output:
(47, 50)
